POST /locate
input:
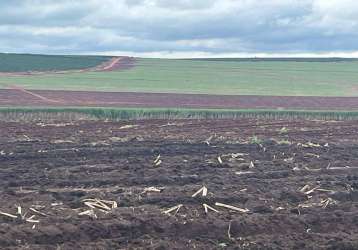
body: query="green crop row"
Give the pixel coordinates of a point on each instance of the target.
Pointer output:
(133, 113)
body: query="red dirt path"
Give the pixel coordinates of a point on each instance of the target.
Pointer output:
(14, 87)
(118, 63)
(17, 97)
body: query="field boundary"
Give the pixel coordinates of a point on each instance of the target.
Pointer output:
(28, 114)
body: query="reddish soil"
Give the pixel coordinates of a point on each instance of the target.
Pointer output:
(118, 63)
(20, 97)
(36, 96)
(52, 166)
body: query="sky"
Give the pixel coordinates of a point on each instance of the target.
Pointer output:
(181, 28)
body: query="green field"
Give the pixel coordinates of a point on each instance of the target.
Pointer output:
(220, 76)
(27, 62)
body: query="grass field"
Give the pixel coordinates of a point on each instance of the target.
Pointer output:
(26, 62)
(232, 77)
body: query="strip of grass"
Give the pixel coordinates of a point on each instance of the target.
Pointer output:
(134, 113)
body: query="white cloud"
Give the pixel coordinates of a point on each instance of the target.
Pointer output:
(181, 27)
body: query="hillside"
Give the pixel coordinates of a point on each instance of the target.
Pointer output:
(222, 77)
(30, 62)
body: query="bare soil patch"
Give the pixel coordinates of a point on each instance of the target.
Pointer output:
(296, 180)
(20, 97)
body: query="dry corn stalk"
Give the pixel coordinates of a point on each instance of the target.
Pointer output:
(313, 144)
(175, 208)
(27, 138)
(323, 203)
(202, 190)
(102, 205)
(288, 159)
(21, 216)
(90, 213)
(232, 207)
(307, 205)
(128, 126)
(207, 141)
(56, 204)
(308, 145)
(236, 155)
(8, 215)
(19, 210)
(313, 155)
(157, 161)
(311, 191)
(325, 190)
(251, 165)
(32, 220)
(305, 188)
(327, 202)
(338, 168)
(244, 172)
(229, 230)
(37, 212)
(151, 189)
(207, 207)
(62, 141)
(312, 169)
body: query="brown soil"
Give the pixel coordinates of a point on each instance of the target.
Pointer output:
(20, 97)
(53, 166)
(36, 96)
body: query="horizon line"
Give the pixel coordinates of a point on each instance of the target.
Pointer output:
(200, 55)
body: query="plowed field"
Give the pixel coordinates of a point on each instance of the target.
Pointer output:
(21, 97)
(295, 181)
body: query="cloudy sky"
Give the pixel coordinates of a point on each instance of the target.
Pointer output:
(180, 28)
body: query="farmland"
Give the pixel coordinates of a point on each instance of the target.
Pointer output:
(26, 63)
(132, 153)
(265, 77)
(124, 82)
(286, 184)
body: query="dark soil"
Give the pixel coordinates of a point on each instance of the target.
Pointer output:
(19, 97)
(53, 166)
